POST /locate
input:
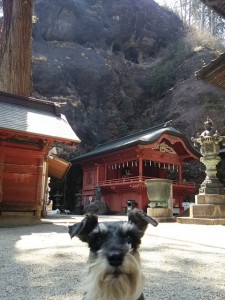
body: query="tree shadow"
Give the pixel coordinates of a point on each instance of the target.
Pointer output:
(40, 262)
(175, 269)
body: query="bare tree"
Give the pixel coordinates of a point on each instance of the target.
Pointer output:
(202, 16)
(16, 47)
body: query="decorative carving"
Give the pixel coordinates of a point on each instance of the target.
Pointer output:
(163, 147)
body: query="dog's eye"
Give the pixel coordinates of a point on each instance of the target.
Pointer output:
(96, 240)
(129, 238)
(100, 238)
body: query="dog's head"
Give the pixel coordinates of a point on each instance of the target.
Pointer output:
(115, 239)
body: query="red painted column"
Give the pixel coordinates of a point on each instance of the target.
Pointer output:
(140, 166)
(97, 173)
(140, 172)
(2, 161)
(180, 172)
(39, 185)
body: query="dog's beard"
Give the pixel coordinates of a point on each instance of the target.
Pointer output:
(104, 282)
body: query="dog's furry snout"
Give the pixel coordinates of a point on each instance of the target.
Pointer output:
(115, 259)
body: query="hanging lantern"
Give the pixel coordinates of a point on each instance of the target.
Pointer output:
(132, 164)
(127, 164)
(115, 166)
(123, 164)
(150, 163)
(145, 163)
(119, 166)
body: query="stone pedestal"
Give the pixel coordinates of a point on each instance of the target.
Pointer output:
(208, 210)
(210, 199)
(159, 193)
(208, 206)
(159, 212)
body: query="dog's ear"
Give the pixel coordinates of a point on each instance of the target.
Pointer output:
(141, 220)
(82, 229)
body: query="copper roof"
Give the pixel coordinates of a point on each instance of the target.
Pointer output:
(33, 116)
(217, 5)
(214, 72)
(144, 137)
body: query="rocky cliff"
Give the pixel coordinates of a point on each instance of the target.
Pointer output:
(120, 66)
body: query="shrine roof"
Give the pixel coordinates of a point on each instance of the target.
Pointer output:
(37, 117)
(217, 5)
(144, 137)
(214, 72)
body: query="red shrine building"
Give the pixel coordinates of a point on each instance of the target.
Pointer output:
(29, 129)
(120, 167)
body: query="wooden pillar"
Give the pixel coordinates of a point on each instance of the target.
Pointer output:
(2, 164)
(180, 172)
(39, 186)
(106, 169)
(44, 197)
(97, 173)
(140, 166)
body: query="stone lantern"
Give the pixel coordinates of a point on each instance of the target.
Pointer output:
(210, 202)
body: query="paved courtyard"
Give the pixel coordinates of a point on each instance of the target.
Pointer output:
(179, 261)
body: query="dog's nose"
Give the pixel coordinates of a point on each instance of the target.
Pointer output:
(115, 259)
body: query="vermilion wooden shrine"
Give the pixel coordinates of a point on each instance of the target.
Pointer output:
(121, 167)
(29, 128)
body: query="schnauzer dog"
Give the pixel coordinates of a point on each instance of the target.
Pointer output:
(113, 269)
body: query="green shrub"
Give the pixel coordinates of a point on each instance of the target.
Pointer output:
(126, 106)
(161, 79)
(122, 129)
(163, 75)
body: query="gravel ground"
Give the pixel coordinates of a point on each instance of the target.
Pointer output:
(179, 262)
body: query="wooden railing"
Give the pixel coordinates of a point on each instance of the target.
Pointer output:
(140, 179)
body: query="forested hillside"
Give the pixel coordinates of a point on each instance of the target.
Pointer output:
(121, 66)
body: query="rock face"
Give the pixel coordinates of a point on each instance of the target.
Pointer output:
(108, 60)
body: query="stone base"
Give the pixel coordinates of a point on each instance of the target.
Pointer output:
(200, 221)
(159, 212)
(210, 199)
(205, 214)
(18, 220)
(212, 186)
(207, 211)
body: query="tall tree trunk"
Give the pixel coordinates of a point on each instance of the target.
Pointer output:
(190, 12)
(202, 17)
(181, 10)
(16, 47)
